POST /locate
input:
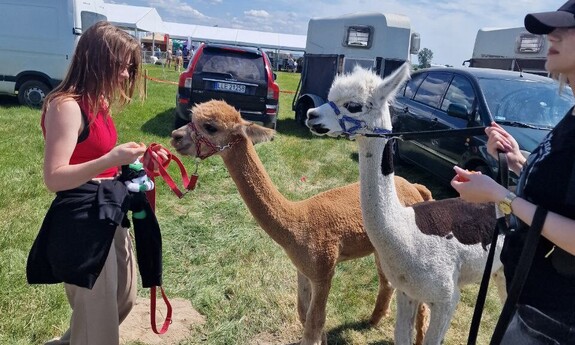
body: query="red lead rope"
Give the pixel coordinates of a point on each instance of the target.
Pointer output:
(149, 162)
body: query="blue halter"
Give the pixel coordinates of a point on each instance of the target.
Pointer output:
(357, 124)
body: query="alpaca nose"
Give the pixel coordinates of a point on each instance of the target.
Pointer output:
(311, 114)
(177, 136)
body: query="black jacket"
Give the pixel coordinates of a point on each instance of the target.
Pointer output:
(77, 233)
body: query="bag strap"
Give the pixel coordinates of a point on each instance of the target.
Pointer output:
(500, 228)
(523, 266)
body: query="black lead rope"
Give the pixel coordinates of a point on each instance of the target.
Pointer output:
(469, 131)
(500, 227)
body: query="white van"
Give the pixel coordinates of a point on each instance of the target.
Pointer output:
(381, 42)
(37, 40)
(512, 49)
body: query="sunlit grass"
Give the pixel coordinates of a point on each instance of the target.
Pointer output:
(215, 254)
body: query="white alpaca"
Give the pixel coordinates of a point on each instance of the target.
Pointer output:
(428, 251)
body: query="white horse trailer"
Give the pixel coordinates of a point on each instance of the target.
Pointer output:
(513, 49)
(381, 42)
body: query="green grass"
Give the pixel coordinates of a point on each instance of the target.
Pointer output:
(215, 254)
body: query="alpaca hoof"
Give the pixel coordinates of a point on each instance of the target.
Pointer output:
(376, 318)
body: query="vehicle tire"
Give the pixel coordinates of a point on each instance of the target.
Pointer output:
(32, 93)
(301, 112)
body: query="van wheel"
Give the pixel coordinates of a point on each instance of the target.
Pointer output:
(32, 93)
(301, 112)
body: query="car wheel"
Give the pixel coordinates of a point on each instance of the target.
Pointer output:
(32, 93)
(301, 112)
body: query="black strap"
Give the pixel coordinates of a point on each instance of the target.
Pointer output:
(86, 131)
(470, 131)
(520, 276)
(500, 228)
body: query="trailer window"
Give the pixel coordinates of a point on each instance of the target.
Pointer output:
(528, 43)
(358, 36)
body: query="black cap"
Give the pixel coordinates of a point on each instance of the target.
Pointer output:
(544, 22)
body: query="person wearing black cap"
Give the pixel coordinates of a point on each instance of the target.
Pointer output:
(545, 312)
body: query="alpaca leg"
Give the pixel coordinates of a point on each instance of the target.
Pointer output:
(421, 323)
(499, 280)
(384, 295)
(406, 309)
(303, 296)
(441, 314)
(315, 321)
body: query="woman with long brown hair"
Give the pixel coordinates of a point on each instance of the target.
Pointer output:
(76, 244)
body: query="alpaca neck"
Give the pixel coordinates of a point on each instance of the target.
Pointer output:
(377, 189)
(267, 205)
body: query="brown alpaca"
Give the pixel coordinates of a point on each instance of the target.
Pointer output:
(315, 233)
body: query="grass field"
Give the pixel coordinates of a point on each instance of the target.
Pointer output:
(215, 255)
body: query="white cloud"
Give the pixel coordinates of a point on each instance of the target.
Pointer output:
(257, 13)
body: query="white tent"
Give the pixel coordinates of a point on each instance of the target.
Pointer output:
(269, 40)
(135, 18)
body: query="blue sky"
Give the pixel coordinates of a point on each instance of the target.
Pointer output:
(446, 27)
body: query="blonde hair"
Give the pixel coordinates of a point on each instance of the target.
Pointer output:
(102, 53)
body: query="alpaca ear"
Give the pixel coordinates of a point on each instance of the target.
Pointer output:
(257, 133)
(388, 88)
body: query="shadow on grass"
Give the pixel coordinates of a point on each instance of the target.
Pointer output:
(292, 128)
(337, 335)
(7, 101)
(161, 125)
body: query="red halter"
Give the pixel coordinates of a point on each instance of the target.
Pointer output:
(213, 148)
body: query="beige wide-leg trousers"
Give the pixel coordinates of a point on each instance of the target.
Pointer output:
(97, 313)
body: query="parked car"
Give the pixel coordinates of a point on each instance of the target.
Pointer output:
(528, 106)
(241, 76)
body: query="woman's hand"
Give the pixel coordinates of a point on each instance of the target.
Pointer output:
(127, 153)
(160, 156)
(500, 140)
(475, 187)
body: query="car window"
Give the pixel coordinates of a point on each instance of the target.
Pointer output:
(432, 89)
(526, 101)
(461, 92)
(238, 65)
(413, 84)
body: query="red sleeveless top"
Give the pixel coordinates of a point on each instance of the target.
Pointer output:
(96, 140)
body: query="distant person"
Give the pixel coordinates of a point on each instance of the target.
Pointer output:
(179, 60)
(545, 312)
(78, 242)
(168, 58)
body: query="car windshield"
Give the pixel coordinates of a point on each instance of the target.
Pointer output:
(526, 103)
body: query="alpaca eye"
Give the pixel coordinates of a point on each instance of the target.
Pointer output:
(210, 129)
(353, 107)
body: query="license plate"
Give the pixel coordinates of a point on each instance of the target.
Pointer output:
(230, 87)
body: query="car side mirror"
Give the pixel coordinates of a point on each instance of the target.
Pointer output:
(458, 110)
(275, 75)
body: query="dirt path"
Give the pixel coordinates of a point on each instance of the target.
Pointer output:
(137, 326)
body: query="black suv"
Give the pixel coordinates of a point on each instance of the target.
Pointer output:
(528, 106)
(240, 76)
